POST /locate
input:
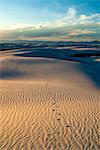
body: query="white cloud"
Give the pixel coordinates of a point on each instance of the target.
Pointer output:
(69, 25)
(71, 12)
(90, 19)
(80, 31)
(92, 16)
(70, 19)
(17, 26)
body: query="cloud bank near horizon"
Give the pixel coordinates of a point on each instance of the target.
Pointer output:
(68, 27)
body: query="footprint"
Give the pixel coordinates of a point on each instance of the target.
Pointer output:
(59, 114)
(58, 119)
(53, 110)
(58, 132)
(67, 126)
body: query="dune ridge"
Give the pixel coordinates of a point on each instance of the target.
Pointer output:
(48, 104)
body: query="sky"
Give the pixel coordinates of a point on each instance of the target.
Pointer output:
(54, 20)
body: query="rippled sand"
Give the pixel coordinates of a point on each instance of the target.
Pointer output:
(47, 104)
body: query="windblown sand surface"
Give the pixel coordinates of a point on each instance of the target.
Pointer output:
(48, 104)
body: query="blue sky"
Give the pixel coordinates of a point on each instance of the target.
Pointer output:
(27, 19)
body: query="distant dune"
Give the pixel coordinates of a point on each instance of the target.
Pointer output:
(49, 99)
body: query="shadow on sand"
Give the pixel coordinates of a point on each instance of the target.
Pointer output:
(10, 74)
(88, 65)
(87, 59)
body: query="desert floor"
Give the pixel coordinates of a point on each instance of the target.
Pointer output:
(48, 104)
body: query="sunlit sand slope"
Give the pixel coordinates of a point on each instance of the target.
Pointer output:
(48, 104)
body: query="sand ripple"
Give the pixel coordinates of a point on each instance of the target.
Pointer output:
(42, 117)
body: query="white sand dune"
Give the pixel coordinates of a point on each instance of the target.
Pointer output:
(48, 104)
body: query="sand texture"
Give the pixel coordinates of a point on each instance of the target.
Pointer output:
(48, 103)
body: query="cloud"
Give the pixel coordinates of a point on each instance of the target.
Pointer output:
(71, 12)
(68, 27)
(92, 16)
(79, 31)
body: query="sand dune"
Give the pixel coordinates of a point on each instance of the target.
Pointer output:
(48, 104)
